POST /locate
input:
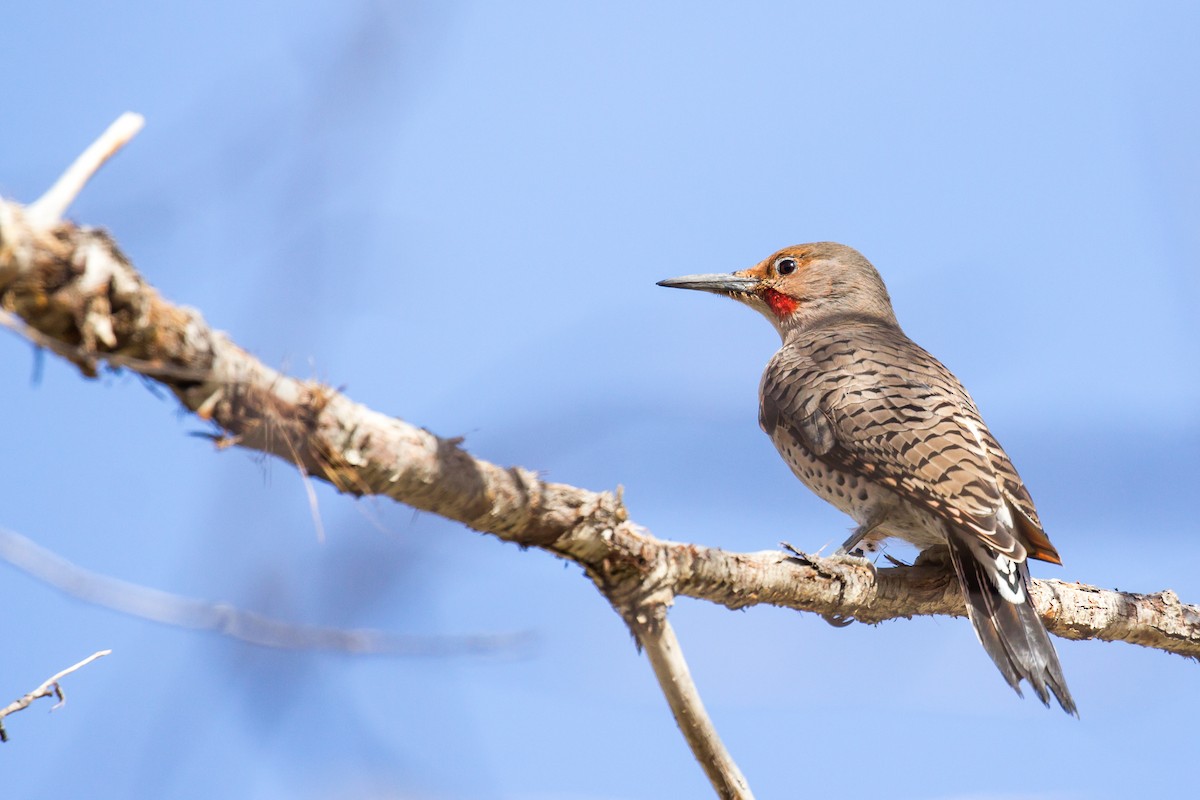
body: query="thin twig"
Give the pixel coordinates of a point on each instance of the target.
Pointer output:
(49, 687)
(658, 639)
(50, 207)
(310, 490)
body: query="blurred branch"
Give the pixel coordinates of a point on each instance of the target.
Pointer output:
(49, 208)
(246, 626)
(50, 687)
(72, 285)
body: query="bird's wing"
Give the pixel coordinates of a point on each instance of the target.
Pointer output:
(871, 402)
(1029, 526)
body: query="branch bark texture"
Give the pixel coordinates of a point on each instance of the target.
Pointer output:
(69, 289)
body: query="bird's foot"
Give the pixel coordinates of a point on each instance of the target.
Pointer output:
(799, 555)
(855, 558)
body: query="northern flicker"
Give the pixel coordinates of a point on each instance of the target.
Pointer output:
(875, 425)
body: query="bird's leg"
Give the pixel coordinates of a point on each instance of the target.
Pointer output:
(861, 532)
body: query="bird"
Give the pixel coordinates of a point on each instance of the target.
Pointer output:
(875, 425)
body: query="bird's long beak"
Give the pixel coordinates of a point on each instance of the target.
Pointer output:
(721, 283)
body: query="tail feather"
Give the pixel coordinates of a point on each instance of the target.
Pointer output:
(996, 589)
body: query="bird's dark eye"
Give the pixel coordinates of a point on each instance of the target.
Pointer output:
(785, 266)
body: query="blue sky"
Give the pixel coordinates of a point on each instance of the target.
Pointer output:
(457, 211)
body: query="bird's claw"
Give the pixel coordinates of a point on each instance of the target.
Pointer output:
(836, 620)
(798, 555)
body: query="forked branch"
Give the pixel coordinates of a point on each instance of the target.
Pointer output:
(69, 289)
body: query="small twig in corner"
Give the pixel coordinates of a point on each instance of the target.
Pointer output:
(49, 208)
(49, 687)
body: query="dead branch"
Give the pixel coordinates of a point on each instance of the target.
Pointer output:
(70, 286)
(49, 687)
